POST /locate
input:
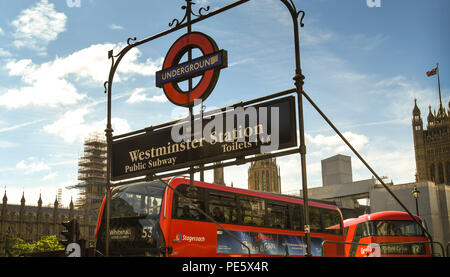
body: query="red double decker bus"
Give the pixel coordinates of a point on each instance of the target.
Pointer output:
(385, 234)
(174, 218)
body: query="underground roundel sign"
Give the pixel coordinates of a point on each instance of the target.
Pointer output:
(207, 66)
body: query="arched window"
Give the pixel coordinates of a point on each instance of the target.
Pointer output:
(441, 173)
(432, 173)
(264, 184)
(447, 171)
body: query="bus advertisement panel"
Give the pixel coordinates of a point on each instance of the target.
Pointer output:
(266, 244)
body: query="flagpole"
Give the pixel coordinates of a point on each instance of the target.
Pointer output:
(439, 86)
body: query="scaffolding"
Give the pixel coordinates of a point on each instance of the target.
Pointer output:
(59, 197)
(92, 172)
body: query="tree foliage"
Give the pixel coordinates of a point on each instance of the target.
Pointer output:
(17, 246)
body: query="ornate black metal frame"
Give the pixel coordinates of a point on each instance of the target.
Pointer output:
(186, 22)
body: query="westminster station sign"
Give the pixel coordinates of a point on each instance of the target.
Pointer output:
(236, 132)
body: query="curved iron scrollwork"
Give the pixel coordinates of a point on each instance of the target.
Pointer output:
(104, 85)
(293, 10)
(200, 14)
(129, 39)
(301, 19)
(175, 22)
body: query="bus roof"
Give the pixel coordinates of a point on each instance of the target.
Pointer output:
(384, 215)
(280, 197)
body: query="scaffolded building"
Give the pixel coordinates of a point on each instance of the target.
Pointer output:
(92, 172)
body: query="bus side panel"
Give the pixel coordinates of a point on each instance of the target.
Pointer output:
(192, 239)
(185, 238)
(349, 239)
(165, 218)
(333, 249)
(362, 250)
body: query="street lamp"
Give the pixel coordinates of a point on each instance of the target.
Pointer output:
(416, 193)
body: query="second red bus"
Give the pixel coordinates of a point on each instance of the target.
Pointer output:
(385, 234)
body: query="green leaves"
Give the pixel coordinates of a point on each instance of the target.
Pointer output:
(46, 243)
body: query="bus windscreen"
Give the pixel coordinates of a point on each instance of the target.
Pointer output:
(396, 228)
(143, 200)
(134, 221)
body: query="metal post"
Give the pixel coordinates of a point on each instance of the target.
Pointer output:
(191, 112)
(417, 208)
(202, 172)
(191, 171)
(298, 78)
(366, 164)
(416, 193)
(439, 86)
(109, 132)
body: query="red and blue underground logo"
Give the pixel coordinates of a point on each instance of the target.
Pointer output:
(207, 66)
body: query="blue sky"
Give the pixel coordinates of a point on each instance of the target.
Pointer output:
(363, 66)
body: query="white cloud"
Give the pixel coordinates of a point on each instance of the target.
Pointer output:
(386, 158)
(23, 67)
(91, 63)
(335, 143)
(7, 144)
(2, 32)
(383, 155)
(49, 92)
(72, 126)
(400, 93)
(4, 53)
(241, 61)
(38, 25)
(115, 27)
(179, 113)
(367, 42)
(52, 83)
(50, 176)
(31, 166)
(44, 86)
(11, 128)
(313, 37)
(138, 96)
(130, 64)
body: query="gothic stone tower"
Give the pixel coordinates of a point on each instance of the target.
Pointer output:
(432, 146)
(264, 175)
(219, 175)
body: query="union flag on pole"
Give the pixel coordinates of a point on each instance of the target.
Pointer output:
(432, 72)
